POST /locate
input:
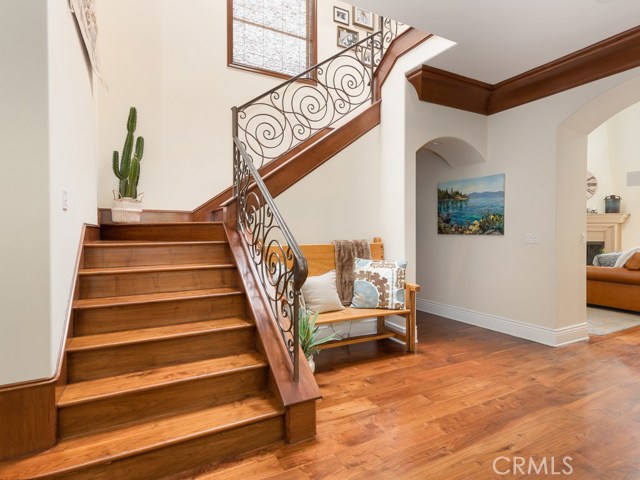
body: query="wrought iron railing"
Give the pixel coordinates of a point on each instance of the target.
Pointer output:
(281, 267)
(277, 121)
(270, 126)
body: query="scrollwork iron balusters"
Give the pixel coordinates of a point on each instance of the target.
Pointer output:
(390, 30)
(270, 126)
(280, 265)
(276, 122)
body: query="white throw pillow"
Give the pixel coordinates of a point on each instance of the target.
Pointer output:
(320, 293)
(622, 259)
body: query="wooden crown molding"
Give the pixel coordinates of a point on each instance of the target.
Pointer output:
(608, 57)
(451, 90)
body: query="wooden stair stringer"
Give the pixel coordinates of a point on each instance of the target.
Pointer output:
(203, 212)
(305, 162)
(298, 398)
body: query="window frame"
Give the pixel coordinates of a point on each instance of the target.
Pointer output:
(312, 38)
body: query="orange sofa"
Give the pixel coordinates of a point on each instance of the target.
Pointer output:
(613, 287)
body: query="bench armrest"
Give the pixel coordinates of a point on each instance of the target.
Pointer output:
(412, 287)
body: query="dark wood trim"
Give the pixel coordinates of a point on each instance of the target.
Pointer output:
(444, 88)
(298, 167)
(300, 421)
(150, 216)
(28, 409)
(608, 57)
(29, 417)
(204, 212)
(290, 392)
(403, 44)
(313, 40)
(322, 151)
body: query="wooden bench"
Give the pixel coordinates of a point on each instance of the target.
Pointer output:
(321, 259)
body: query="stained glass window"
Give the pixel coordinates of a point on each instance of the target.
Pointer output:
(272, 35)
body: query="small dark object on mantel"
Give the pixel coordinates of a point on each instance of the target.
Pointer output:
(612, 204)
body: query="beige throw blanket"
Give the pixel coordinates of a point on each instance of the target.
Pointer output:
(346, 253)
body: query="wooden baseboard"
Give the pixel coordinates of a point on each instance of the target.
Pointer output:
(28, 410)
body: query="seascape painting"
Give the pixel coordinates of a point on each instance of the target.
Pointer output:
(473, 206)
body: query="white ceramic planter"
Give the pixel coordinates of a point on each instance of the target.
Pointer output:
(126, 210)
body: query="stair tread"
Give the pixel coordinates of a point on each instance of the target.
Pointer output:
(83, 392)
(128, 337)
(108, 446)
(143, 243)
(154, 268)
(154, 297)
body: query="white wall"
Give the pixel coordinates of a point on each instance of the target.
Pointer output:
(599, 165)
(73, 162)
(533, 291)
(396, 185)
(48, 135)
(339, 200)
(169, 59)
(624, 147)
(24, 246)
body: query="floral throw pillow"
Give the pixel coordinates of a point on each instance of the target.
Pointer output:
(379, 284)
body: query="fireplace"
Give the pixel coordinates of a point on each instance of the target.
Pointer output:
(593, 249)
(605, 228)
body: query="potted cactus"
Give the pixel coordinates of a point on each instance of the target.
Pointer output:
(127, 205)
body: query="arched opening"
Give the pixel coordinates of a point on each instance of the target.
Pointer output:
(437, 160)
(571, 220)
(454, 151)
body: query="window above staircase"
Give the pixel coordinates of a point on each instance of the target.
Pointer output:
(276, 37)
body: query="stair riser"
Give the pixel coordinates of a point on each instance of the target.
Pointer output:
(164, 233)
(100, 286)
(131, 317)
(184, 396)
(132, 256)
(110, 361)
(187, 455)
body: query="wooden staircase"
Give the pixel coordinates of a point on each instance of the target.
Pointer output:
(163, 366)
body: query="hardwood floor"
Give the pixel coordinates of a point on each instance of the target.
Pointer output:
(467, 397)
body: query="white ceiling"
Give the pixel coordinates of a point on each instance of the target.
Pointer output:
(498, 39)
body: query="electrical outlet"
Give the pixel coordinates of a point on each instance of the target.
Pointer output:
(531, 238)
(65, 201)
(583, 238)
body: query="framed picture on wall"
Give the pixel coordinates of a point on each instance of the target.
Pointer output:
(347, 38)
(472, 206)
(362, 18)
(340, 15)
(366, 57)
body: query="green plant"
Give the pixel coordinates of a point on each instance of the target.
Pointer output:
(308, 333)
(127, 168)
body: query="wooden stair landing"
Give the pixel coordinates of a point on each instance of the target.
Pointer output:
(163, 369)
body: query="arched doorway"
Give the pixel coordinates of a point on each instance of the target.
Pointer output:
(436, 160)
(572, 148)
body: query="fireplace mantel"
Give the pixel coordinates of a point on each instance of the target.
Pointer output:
(607, 228)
